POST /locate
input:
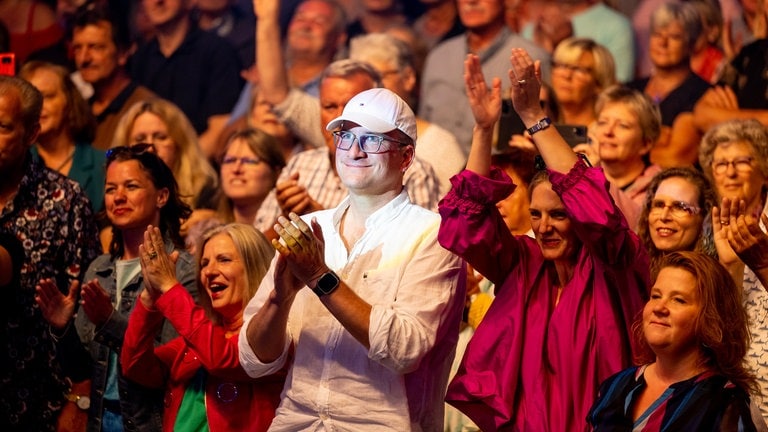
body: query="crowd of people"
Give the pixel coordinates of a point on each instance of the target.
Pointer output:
(443, 215)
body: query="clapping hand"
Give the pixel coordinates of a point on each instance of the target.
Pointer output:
(302, 248)
(485, 102)
(745, 239)
(157, 266)
(56, 308)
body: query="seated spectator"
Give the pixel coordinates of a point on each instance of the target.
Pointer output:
(162, 124)
(743, 93)
(394, 61)
(440, 21)
(581, 69)
(628, 124)
(556, 20)
(196, 70)
(205, 386)
(693, 337)
(316, 35)
(708, 58)
(260, 115)
(66, 130)
(228, 20)
(52, 218)
(32, 26)
(677, 213)
(734, 157)
(249, 170)
(140, 190)
(573, 290)
(101, 45)
(673, 86)
(376, 16)
(443, 100)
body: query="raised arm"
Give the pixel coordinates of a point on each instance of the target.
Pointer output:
(525, 76)
(270, 62)
(486, 107)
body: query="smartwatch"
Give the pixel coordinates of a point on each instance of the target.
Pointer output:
(540, 126)
(327, 284)
(82, 402)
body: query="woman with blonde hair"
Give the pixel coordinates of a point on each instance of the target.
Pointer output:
(162, 124)
(581, 69)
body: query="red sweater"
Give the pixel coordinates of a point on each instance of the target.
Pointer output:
(233, 400)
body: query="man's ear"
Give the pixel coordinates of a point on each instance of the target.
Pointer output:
(409, 153)
(162, 197)
(30, 137)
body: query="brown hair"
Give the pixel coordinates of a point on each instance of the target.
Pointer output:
(721, 329)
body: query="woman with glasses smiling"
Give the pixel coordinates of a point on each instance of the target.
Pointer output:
(677, 214)
(734, 156)
(251, 164)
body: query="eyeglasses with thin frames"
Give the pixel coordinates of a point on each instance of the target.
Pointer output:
(369, 143)
(231, 161)
(678, 209)
(740, 164)
(578, 71)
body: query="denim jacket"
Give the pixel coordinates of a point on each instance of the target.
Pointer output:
(141, 407)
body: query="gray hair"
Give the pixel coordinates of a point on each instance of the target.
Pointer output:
(383, 48)
(347, 68)
(749, 131)
(684, 13)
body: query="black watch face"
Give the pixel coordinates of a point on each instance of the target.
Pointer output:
(327, 283)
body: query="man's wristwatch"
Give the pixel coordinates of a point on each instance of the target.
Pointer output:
(540, 126)
(82, 402)
(327, 284)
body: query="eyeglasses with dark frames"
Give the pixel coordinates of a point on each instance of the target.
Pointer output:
(369, 143)
(740, 164)
(244, 161)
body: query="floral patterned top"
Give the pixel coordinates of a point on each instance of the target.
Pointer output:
(52, 218)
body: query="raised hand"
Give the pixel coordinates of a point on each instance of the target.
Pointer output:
(56, 308)
(157, 266)
(744, 235)
(294, 198)
(485, 102)
(525, 77)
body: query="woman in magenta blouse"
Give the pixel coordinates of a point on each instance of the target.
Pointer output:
(565, 301)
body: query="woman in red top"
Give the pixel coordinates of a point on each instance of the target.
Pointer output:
(206, 387)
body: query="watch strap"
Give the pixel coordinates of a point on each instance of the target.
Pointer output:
(540, 126)
(326, 284)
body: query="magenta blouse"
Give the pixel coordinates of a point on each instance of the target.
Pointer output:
(530, 365)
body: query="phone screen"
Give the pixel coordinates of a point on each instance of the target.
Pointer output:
(7, 64)
(573, 134)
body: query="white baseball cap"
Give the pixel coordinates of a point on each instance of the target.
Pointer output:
(378, 110)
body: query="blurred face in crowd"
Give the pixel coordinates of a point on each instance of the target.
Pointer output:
(212, 5)
(669, 46)
(670, 226)
(379, 5)
(619, 134)
(130, 197)
(53, 116)
(477, 14)
(262, 117)
(222, 274)
(669, 317)
(148, 128)
(551, 224)
(513, 208)
(401, 82)
(96, 55)
(164, 12)
(311, 30)
(244, 176)
(741, 179)
(335, 92)
(575, 84)
(14, 140)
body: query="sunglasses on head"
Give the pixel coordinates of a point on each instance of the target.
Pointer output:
(135, 150)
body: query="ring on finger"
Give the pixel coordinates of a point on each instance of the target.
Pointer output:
(725, 223)
(520, 82)
(152, 255)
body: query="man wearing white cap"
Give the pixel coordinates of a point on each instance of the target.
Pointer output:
(363, 292)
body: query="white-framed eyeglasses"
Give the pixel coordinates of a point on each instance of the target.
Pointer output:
(740, 164)
(369, 143)
(678, 209)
